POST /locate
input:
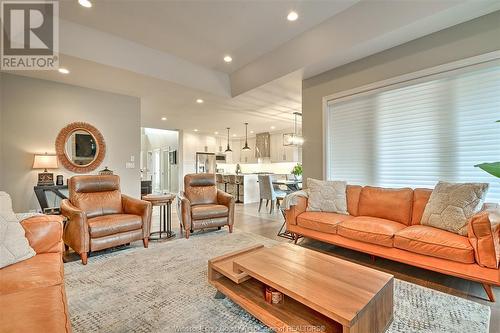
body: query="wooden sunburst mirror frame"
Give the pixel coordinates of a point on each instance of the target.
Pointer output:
(63, 137)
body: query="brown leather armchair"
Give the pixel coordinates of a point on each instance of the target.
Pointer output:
(100, 217)
(202, 205)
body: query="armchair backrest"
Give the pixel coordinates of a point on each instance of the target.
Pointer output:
(96, 195)
(200, 188)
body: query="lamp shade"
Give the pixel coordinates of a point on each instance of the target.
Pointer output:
(45, 162)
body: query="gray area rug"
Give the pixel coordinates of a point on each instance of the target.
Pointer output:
(165, 289)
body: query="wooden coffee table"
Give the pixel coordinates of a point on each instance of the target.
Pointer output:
(322, 293)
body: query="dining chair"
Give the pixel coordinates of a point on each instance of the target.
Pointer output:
(268, 193)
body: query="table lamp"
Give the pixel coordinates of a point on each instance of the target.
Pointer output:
(45, 162)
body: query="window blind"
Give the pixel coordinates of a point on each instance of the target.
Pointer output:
(416, 134)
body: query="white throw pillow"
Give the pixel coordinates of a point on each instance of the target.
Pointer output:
(5, 202)
(327, 196)
(450, 206)
(14, 246)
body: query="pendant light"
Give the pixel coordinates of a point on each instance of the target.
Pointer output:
(228, 149)
(293, 139)
(246, 138)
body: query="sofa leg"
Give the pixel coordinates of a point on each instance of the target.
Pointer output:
(84, 257)
(372, 257)
(187, 234)
(66, 247)
(295, 238)
(231, 229)
(489, 292)
(145, 241)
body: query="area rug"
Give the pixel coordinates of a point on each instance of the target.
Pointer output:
(164, 289)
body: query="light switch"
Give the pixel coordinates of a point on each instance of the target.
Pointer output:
(132, 158)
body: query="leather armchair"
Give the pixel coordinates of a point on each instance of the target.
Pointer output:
(100, 217)
(201, 205)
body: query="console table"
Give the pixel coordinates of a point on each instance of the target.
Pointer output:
(40, 192)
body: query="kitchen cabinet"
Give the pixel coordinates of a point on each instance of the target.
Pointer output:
(280, 153)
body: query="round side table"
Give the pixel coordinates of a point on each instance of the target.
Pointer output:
(164, 201)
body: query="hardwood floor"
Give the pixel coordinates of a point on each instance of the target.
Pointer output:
(247, 218)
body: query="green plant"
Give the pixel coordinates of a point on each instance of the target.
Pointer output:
(297, 170)
(491, 168)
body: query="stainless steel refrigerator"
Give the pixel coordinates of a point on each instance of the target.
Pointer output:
(205, 163)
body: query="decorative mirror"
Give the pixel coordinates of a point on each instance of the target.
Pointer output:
(80, 147)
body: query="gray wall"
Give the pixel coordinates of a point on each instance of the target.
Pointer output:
(34, 111)
(461, 41)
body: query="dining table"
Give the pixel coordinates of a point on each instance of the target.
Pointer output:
(293, 185)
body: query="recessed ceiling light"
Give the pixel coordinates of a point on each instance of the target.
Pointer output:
(85, 3)
(63, 70)
(292, 16)
(273, 127)
(199, 101)
(228, 58)
(251, 132)
(216, 133)
(234, 134)
(163, 118)
(196, 130)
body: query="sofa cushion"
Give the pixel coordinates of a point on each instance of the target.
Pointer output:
(208, 211)
(452, 205)
(321, 221)
(435, 242)
(43, 270)
(106, 225)
(35, 310)
(386, 203)
(327, 196)
(353, 194)
(420, 198)
(14, 246)
(370, 230)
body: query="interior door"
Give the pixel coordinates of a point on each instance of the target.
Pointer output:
(165, 171)
(156, 171)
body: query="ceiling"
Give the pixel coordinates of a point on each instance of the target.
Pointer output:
(170, 53)
(203, 32)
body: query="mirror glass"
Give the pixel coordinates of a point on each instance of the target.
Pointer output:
(81, 148)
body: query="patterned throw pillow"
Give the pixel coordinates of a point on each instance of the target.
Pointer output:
(327, 196)
(452, 205)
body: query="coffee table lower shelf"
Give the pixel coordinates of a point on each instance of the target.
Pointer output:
(291, 316)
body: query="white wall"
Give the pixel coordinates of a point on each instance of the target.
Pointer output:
(190, 143)
(34, 111)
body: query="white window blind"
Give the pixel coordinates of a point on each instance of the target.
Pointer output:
(418, 133)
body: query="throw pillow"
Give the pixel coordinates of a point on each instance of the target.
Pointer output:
(450, 206)
(327, 196)
(14, 246)
(5, 202)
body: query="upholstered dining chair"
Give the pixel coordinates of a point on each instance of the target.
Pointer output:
(201, 205)
(268, 193)
(100, 217)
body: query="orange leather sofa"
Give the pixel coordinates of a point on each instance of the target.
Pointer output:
(386, 223)
(32, 296)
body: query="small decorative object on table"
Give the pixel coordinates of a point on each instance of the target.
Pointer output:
(59, 180)
(106, 171)
(272, 296)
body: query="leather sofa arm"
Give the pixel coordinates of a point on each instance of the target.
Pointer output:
(138, 207)
(484, 237)
(295, 210)
(44, 233)
(184, 210)
(76, 231)
(227, 200)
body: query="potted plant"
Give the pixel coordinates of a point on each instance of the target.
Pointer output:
(297, 171)
(491, 168)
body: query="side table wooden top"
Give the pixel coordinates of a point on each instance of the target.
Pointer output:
(159, 198)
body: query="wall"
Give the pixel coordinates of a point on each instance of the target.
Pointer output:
(191, 143)
(1, 145)
(34, 111)
(461, 41)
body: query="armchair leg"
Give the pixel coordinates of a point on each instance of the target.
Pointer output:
(295, 238)
(145, 241)
(489, 292)
(84, 257)
(187, 234)
(231, 229)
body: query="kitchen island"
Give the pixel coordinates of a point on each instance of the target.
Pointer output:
(248, 188)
